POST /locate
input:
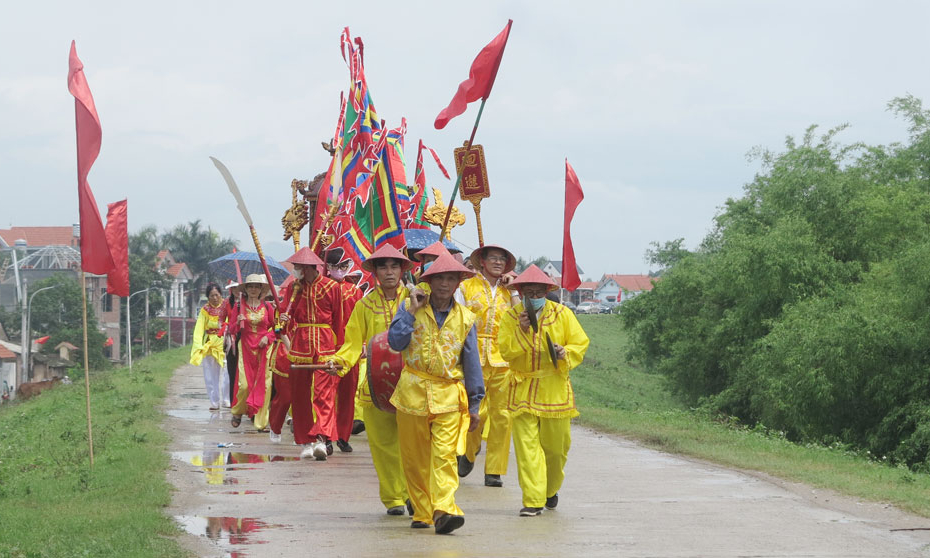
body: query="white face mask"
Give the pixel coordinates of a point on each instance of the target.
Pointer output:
(298, 273)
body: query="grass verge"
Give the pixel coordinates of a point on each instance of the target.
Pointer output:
(615, 396)
(53, 504)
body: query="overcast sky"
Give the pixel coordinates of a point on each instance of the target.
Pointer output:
(655, 104)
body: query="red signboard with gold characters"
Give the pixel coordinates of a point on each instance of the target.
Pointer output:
(470, 164)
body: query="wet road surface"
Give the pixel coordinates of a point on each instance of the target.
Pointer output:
(239, 495)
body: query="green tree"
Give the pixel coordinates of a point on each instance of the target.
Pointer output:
(57, 313)
(192, 244)
(806, 307)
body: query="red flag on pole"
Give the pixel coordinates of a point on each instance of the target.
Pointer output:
(117, 232)
(95, 254)
(573, 197)
(480, 78)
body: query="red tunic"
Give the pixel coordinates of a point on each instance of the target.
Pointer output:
(315, 319)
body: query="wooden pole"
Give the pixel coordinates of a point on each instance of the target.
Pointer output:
(476, 203)
(90, 430)
(458, 179)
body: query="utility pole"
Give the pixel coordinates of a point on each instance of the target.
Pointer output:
(145, 338)
(24, 369)
(183, 317)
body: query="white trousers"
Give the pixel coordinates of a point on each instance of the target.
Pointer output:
(217, 381)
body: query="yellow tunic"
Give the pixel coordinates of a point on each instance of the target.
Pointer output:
(372, 315)
(206, 342)
(431, 382)
(489, 305)
(539, 387)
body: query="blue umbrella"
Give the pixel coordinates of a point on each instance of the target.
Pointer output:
(225, 266)
(418, 239)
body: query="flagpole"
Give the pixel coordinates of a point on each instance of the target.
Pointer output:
(90, 430)
(458, 179)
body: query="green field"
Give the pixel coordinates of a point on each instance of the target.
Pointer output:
(52, 504)
(616, 396)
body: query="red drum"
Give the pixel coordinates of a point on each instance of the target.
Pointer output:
(384, 367)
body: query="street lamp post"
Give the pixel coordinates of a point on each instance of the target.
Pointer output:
(27, 335)
(129, 327)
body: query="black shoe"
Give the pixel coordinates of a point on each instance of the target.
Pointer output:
(530, 512)
(552, 501)
(493, 480)
(409, 507)
(418, 525)
(448, 523)
(396, 510)
(344, 446)
(329, 447)
(465, 466)
(357, 427)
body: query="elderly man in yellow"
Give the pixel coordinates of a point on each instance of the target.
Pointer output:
(541, 401)
(487, 295)
(438, 393)
(373, 315)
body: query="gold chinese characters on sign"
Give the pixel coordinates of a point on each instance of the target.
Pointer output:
(469, 162)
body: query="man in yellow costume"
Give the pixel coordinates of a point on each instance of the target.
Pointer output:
(488, 296)
(438, 393)
(373, 315)
(541, 401)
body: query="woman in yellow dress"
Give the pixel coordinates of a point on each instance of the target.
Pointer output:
(207, 349)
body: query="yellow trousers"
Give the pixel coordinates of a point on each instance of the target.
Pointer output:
(541, 445)
(381, 429)
(493, 414)
(362, 380)
(260, 420)
(428, 450)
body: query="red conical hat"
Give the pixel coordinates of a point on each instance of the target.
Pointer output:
(446, 264)
(533, 275)
(479, 253)
(434, 249)
(386, 252)
(305, 256)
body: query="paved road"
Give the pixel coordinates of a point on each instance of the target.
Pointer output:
(619, 499)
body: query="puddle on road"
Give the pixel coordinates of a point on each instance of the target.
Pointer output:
(229, 533)
(216, 464)
(199, 415)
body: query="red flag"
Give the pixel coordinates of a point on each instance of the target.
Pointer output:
(95, 254)
(42, 340)
(160, 334)
(117, 232)
(480, 78)
(573, 197)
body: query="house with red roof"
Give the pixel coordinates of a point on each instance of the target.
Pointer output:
(614, 287)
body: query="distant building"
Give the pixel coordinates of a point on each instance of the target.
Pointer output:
(616, 288)
(46, 251)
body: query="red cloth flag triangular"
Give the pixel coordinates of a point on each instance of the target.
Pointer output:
(573, 197)
(117, 232)
(95, 254)
(480, 78)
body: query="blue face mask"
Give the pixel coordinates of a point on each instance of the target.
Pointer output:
(537, 303)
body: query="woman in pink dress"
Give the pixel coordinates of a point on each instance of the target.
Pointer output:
(255, 325)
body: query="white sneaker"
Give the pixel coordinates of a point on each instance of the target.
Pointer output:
(307, 451)
(319, 451)
(275, 438)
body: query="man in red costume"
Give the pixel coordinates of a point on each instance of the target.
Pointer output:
(337, 268)
(313, 321)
